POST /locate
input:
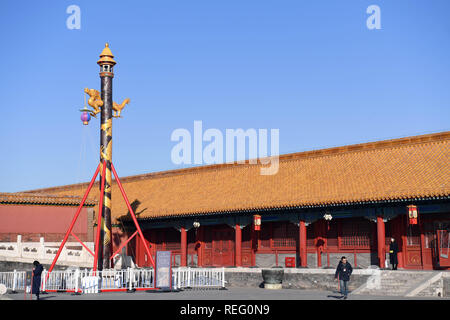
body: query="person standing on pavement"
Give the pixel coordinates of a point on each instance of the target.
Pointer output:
(393, 250)
(343, 272)
(36, 285)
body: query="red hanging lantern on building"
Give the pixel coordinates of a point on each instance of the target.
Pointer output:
(257, 222)
(412, 214)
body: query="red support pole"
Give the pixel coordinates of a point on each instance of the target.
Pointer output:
(73, 221)
(132, 215)
(381, 241)
(183, 258)
(82, 243)
(238, 240)
(99, 218)
(123, 245)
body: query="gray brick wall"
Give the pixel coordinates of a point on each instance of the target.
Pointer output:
(293, 280)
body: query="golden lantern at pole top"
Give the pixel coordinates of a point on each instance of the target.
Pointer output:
(106, 61)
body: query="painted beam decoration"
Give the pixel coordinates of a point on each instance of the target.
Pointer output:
(102, 102)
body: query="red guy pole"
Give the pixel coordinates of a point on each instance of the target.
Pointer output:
(132, 215)
(123, 245)
(73, 221)
(99, 217)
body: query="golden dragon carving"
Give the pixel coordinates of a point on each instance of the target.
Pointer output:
(94, 101)
(118, 107)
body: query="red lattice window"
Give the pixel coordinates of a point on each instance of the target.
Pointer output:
(166, 239)
(332, 234)
(356, 234)
(413, 235)
(265, 235)
(285, 235)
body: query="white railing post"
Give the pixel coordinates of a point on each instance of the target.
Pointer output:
(223, 277)
(129, 279)
(19, 246)
(174, 279)
(189, 276)
(44, 277)
(14, 281)
(41, 250)
(77, 275)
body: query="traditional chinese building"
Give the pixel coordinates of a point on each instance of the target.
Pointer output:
(371, 191)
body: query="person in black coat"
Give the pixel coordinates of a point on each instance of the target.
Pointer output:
(393, 250)
(36, 285)
(343, 272)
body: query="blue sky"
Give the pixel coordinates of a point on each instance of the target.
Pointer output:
(311, 69)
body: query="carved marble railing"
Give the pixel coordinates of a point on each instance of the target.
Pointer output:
(73, 253)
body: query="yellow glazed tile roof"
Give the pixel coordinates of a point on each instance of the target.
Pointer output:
(395, 169)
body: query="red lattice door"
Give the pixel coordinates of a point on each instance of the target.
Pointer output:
(222, 246)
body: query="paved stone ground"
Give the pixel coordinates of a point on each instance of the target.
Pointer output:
(250, 294)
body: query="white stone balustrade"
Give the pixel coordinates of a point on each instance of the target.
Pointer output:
(73, 253)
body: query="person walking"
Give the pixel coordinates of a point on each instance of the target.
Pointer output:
(393, 250)
(343, 272)
(36, 285)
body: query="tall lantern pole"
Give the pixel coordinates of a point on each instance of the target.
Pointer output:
(102, 102)
(106, 63)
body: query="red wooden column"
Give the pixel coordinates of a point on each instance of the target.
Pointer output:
(302, 243)
(238, 244)
(381, 241)
(183, 259)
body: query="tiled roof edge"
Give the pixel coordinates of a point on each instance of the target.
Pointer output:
(34, 199)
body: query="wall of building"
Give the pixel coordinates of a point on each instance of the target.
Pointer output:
(50, 222)
(353, 234)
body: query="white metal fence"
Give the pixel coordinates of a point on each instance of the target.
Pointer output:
(87, 281)
(14, 280)
(198, 278)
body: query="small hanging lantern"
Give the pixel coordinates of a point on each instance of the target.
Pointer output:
(257, 222)
(85, 113)
(412, 214)
(85, 117)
